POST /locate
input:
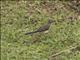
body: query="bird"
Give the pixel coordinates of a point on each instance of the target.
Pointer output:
(43, 28)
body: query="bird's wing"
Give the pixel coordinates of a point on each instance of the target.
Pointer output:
(43, 28)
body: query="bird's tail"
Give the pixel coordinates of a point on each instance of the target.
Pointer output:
(30, 32)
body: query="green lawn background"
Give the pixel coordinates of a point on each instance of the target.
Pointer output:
(18, 17)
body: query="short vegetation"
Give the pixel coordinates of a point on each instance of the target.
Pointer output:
(63, 37)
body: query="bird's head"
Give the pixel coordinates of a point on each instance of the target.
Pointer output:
(50, 21)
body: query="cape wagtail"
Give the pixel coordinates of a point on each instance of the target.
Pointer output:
(43, 28)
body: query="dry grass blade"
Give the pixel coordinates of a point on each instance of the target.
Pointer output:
(68, 49)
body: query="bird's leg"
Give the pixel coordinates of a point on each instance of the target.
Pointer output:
(36, 38)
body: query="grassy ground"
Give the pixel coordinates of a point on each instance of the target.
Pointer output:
(25, 16)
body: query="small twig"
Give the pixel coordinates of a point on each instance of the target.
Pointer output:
(59, 53)
(64, 51)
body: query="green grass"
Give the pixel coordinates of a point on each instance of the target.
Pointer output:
(25, 16)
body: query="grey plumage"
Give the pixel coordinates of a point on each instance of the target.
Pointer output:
(42, 28)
